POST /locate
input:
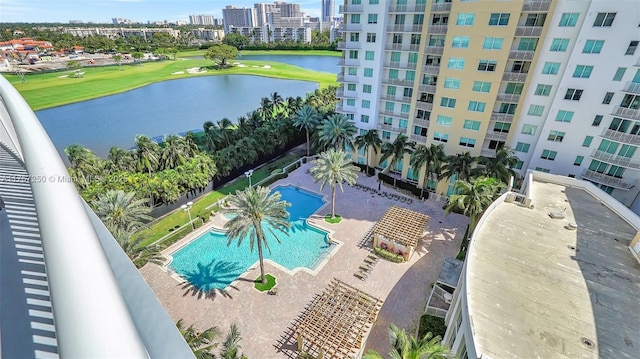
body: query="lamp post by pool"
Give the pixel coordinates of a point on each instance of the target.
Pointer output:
(187, 207)
(249, 173)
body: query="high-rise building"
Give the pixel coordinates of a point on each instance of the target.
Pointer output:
(238, 17)
(201, 20)
(556, 81)
(328, 8)
(280, 14)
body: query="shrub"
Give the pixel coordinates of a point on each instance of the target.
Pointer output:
(205, 216)
(433, 324)
(388, 255)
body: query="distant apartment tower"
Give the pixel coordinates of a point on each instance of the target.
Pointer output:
(328, 7)
(238, 17)
(201, 20)
(280, 14)
(120, 21)
(556, 81)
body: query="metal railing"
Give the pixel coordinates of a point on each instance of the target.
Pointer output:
(514, 76)
(434, 50)
(407, 8)
(431, 69)
(420, 122)
(438, 29)
(616, 160)
(521, 55)
(536, 5)
(418, 138)
(99, 308)
(630, 113)
(441, 7)
(524, 30)
(350, 8)
(508, 97)
(424, 105)
(621, 137)
(606, 179)
(632, 87)
(342, 45)
(502, 117)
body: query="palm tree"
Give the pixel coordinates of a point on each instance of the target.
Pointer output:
(84, 164)
(370, 140)
(231, 347)
(131, 246)
(336, 132)
(432, 158)
(499, 167)
(174, 152)
(120, 160)
(253, 208)
(472, 198)
(459, 165)
(396, 151)
(118, 209)
(200, 343)
(333, 167)
(404, 346)
(148, 153)
(306, 118)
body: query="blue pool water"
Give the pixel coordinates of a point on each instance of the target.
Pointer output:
(208, 263)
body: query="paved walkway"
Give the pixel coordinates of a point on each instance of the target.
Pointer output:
(265, 320)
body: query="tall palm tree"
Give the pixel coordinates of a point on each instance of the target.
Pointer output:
(306, 118)
(131, 246)
(336, 132)
(200, 343)
(148, 153)
(396, 151)
(370, 140)
(431, 158)
(472, 198)
(118, 209)
(405, 346)
(174, 152)
(499, 167)
(120, 160)
(334, 168)
(84, 164)
(256, 210)
(459, 165)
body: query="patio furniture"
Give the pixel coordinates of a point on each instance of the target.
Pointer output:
(365, 268)
(370, 261)
(360, 275)
(273, 291)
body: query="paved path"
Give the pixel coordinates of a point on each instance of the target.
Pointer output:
(265, 320)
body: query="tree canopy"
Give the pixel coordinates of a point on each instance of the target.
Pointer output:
(236, 40)
(220, 53)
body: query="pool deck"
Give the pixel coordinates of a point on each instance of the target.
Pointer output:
(265, 320)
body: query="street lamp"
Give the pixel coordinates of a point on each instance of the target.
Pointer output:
(249, 173)
(187, 207)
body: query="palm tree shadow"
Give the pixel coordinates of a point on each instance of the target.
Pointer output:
(208, 281)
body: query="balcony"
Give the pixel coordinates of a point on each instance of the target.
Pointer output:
(523, 30)
(388, 113)
(427, 88)
(508, 97)
(342, 9)
(607, 180)
(346, 45)
(497, 136)
(418, 138)
(345, 109)
(431, 69)
(402, 47)
(438, 29)
(347, 78)
(349, 62)
(387, 127)
(421, 122)
(621, 137)
(347, 94)
(441, 7)
(502, 117)
(536, 5)
(424, 106)
(487, 152)
(632, 87)
(404, 28)
(521, 55)
(629, 113)
(353, 27)
(398, 65)
(433, 50)
(514, 76)
(398, 82)
(388, 97)
(407, 8)
(615, 160)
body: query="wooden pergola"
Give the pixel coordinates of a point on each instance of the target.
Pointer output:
(399, 231)
(334, 323)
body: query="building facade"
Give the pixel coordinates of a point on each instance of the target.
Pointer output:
(328, 8)
(201, 20)
(238, 17)
(527, 74)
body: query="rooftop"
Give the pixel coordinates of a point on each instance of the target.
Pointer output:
(539, 287)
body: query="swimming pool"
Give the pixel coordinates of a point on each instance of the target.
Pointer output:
(208, 263)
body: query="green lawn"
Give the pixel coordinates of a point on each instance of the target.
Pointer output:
(271, 282)
(49, 90)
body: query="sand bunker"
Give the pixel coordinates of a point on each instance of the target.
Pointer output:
(178, 73)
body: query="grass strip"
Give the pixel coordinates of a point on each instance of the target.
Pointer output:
(271, 282)
(334, 220)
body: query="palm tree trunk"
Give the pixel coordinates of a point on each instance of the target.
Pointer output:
(307, 142)
(264, 279)
(333, 201)
(368, 161)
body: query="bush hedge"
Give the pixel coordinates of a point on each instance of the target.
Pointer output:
(431, 324)
(388, 255)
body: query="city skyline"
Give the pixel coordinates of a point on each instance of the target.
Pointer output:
(143, 11)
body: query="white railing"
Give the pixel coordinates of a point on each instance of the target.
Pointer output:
(99, 309)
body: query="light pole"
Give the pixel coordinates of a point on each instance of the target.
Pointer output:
(187, 207)
(249, 173)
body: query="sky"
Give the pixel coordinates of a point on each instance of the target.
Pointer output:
(103, 11)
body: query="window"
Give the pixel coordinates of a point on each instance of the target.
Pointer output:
(543, 90)
(351, 102)
(502, 127)
(519, 165)
(568, 19)
(619, 74)
(499, 19)
(374, 2)
(564, 116)
(366, 88)
(352, 71)
(607, 98)
(441, 137)
(433, 60)
(550, 68)
(631, 101)
(448, 102)
(444, 120)
(351, 87)
(521, 67)
(487, 65)
(372, 19)
(354, 37)
(535, 110)
(415, 39)
(540, 169)
(356, 2)
(460, 42)
(509, 108)
(407, 92)
(451, 83)
(366, 104)
(548, 155)
(609, 147)
(397, 38)
(493, 144)
(364, 118)
(353, 54)
(522, 147)
(559, 45)
(369, 55)
(492, 43)
(476, 106)
(386, 135)
(582, 71)
(418, 19)
(578, 160)
(387, 120)
(403, 123)
(573, 94)
(556, 136)
(535, 19)
(467, 142)
(514, 88)
(389, 106)
(436, 40)
(529, 129)
(404, 108)
(481, 86)
(393, 73)
(440, 19)
(471, 125)
(587, 141)
(371, 37)
(592, 46)
(597, 120)
(391, 90)
(355, 18)
(368, 72)
(465, 19)
(528, 44)
(413, 58)
(604, 19)
(395, 56)
(456, 63)
(400, 19)
(420, 131)
(627, 151)
(410, 75)
(633, 45)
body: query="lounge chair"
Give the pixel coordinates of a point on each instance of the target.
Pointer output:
(365, 267)
(273, 291)
(360, 275)
(370, 261)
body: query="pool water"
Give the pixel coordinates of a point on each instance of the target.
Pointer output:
(208, 263)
